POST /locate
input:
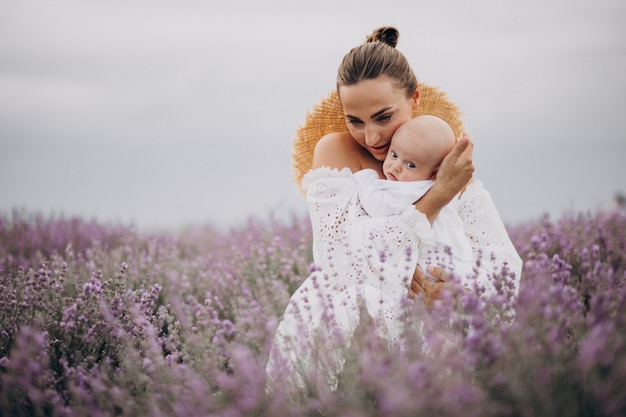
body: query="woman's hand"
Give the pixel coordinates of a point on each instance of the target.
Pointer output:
(457, 168)
(429, 289)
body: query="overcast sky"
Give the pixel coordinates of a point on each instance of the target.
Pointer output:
(164, 114)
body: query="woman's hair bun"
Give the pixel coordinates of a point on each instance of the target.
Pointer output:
(385, 34)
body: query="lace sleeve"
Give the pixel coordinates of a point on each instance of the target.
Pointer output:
(487, 235)
(353, 247)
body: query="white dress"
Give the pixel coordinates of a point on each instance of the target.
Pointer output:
(380, 197)
(363, 268)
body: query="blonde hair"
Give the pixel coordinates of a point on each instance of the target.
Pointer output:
(378, 56)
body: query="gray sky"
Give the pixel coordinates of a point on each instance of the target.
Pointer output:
(164, 114)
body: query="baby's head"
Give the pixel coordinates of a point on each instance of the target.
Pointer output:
(417, 148)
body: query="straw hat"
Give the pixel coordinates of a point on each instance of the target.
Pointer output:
(327, 117)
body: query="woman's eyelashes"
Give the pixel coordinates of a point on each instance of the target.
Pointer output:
(382, 119)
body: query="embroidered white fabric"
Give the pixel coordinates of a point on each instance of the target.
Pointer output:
(363, 268)
(380, 197)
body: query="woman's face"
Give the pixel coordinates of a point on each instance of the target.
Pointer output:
(374, 109)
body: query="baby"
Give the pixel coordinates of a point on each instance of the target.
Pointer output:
(416, 151)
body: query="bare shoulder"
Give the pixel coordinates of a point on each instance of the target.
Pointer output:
(338, 150)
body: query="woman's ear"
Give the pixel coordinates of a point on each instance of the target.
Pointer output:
(416, 97)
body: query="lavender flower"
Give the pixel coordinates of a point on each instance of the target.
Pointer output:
(101, 320)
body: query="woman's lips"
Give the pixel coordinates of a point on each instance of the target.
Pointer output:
(379, 150)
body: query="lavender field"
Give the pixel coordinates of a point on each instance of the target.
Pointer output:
(100, 320)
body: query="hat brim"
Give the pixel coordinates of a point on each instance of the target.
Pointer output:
(327, 117)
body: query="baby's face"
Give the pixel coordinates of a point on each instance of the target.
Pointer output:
(405, 160)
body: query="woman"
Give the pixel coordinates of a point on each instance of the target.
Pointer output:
(365, 265)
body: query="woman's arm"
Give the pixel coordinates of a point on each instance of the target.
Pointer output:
(453, 176)
(488, 237)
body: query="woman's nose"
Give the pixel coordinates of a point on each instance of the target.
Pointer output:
(372, 136)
